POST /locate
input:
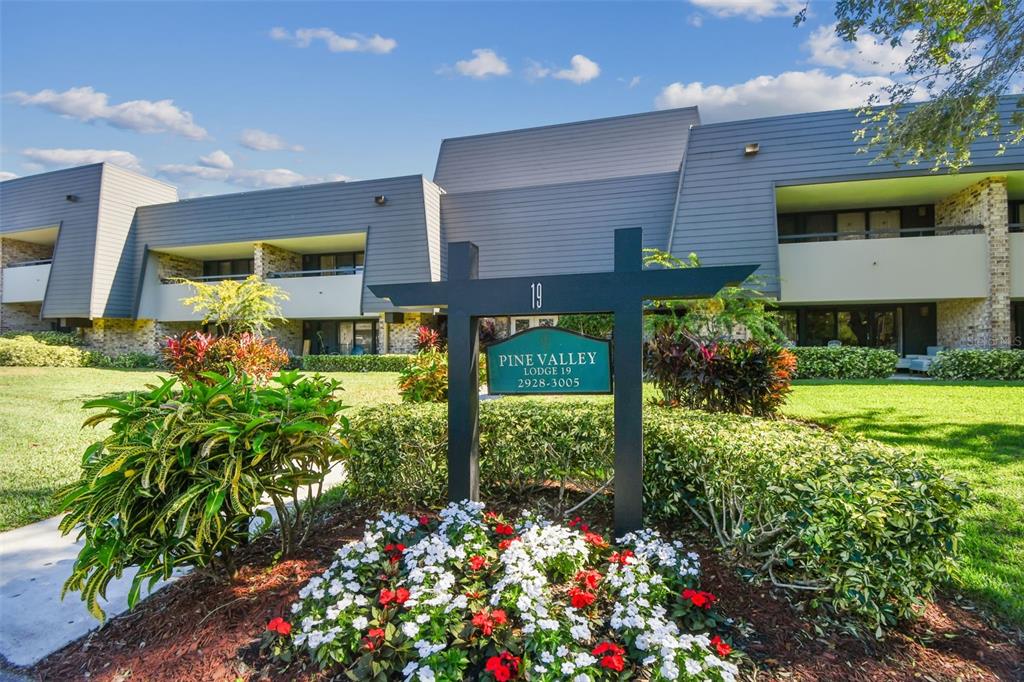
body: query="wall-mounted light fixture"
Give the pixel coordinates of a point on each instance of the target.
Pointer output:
(71, 197)
(380, 200)
(751, 149)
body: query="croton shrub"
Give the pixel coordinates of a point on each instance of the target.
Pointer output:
(863, 529)
(194, 354)
(472, 595)
(844, 362)
(976, 364)
(182, 473)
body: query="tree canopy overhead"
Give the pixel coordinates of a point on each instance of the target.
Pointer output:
(964, 55)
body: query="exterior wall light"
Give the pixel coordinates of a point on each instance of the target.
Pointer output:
(71, 197)
(380, 200)
(751, 149)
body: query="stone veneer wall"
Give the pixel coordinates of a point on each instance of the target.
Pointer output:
(270, 258)
(113, 336)
(172, 267)
(980, 322)
(398, 338)
(21, 316)
(289, 336)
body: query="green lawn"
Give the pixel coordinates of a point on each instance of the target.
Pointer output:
(41, 439)
(976, 432)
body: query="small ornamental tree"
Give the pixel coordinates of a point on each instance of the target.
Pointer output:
(235, 306)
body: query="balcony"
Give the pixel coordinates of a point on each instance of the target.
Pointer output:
(937, 263)
(1017, 265)
(25, 282)
(320, 293)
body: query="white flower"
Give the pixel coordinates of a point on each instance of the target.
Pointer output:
(410, 629)
(360, 623)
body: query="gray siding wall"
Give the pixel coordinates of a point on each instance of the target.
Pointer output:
(396, 233)
(727, 203)
(565, 228)
(625, 146)
(121, 193)
(39, 200)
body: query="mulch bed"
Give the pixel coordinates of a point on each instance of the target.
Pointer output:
(202, 629)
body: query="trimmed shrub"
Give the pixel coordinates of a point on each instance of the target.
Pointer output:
(26, 351)
(50, 338)
(844, 362)
(133, 360)
(866, 529)
(975, 365)
(355, 363)
(181, 474)
(599, 325)
(742, 377)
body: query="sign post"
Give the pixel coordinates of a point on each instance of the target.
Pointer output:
(621, 292)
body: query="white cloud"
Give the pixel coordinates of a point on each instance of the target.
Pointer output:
(786, 93)
(485, 63)
(140, 115)
(868, 55)
(62, 158)
(751, 9)
(262, 141)
(582, 70)
(633, 82)
(695, 20)
(535, 70)
(250, 178)
(353, 42)
(7, 175)
(217, 159)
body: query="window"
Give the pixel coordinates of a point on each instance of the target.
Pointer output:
(856, 223)
(820, 327)
(789, 323)
(232, 267)
(876, 327)
(341, 263)
(339, 337)
(1016, 215)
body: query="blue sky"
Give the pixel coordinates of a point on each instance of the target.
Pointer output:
(362, 90)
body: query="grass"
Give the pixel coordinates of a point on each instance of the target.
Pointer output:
(41, 439)
(976, 432)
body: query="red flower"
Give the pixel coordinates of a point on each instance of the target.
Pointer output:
(621, 558)
(504, 666)
(702, 600)
(395, 552)
(374, 638)
(721, 647)
(398, 596)
(611, 655)
(476, 562)
(486, 620)
(424, 520)
(280, 626)
(608, 647)
(580, 598)
(595, 539)
(614, 662)
(401, 595)
(589, 579)
(506, 543)
(504, 529)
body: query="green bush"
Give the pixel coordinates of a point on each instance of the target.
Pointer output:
(599, 325)
(132, 360)
(975, 365)
(355, 363)
(181, 474)
(844, 362)
(425, 378)
(50, 338)
(866, 529)
(26, 351)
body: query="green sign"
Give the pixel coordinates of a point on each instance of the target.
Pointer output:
(549, 360)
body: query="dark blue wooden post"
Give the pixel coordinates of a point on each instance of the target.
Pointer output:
(629, 429)
(463, 379)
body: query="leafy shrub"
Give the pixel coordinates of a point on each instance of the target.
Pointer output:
(194, 354)
(355, 363)
(743, 377)
(50, 338)
(26, 351)
(844, 362)
(866, 529)
(599, 325)
(474, 596)
(181, 475)
(425, 378)
(132, 360)
(427, 338)
(975, 365)
(236, 306)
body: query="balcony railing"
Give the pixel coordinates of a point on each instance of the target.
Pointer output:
(204, 278)
(330, 272)
(26, 263)
(937, 231)
(1016, 227)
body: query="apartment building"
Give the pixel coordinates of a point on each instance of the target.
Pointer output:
(856, 253)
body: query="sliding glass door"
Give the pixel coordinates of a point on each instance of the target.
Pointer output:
(339, 337)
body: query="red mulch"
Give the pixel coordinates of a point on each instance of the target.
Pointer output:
(201, 629)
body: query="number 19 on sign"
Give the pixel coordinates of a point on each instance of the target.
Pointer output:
(536, 295)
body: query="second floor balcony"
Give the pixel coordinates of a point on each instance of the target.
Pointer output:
(25, 282)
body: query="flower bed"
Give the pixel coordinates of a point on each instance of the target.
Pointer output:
(471, 595)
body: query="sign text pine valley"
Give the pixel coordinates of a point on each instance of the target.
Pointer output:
(549, 360)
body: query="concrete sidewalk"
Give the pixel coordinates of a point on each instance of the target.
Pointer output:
(34, 563)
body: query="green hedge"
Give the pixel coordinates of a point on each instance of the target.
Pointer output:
(26, 350)
(867, 529)
(974, 365)
(844, 362)
(50, 338)
(355, 363)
